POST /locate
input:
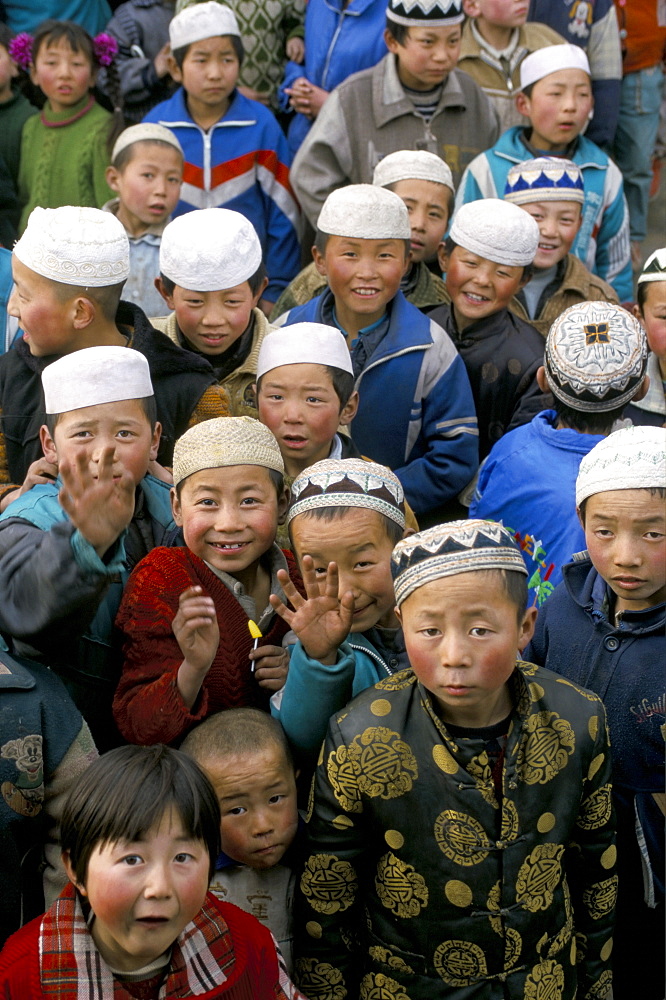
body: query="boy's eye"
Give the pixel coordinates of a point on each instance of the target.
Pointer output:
(654, 535)
(320, 570)
(236, 811)
(479, 631)
(429, 633)
(274, 799)
(205, 502)
(363, 564)
(183, 857)
(250, 501)
(132, 860)
(125, 434)
(313, 399)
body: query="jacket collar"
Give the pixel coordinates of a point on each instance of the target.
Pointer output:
(590, 592)
(389, 100)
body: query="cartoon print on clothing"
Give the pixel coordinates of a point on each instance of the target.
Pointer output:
(26, 795)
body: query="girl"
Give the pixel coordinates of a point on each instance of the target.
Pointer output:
(64, 149)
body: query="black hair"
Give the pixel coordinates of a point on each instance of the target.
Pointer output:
(126, 155)
(106, 298)
(254, 281)
(393, 530)
(148, 405)
(235, 732)
(587, 422)
(276, 478)
(343, 383)
(654, 491)
(527, 91)
(642, 290)
(515, 587)
(125, 793)
(450, 245)
(236, 42)
(398, 32)
(6, 35)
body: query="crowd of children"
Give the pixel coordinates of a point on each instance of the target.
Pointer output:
(332, 504)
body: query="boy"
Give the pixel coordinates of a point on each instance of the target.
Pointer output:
(551, 190)
(212, 277)
(147, 172)
(650, 309)
(428, 433)
(495, 40)
(595, 362)
(68, 544)
(246, 757)
(604, 627)
(69, 269)
(449, 799)
(139, 836)
(556, 98)
(488, 258)
(414, 98)
(344, 518)
(185, 611)
(235, 152)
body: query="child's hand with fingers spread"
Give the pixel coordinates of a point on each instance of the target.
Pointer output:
(198, 635)
(100, 507)
(321, 620)
(271, 665)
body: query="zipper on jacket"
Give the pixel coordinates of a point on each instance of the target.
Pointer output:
(373, 656)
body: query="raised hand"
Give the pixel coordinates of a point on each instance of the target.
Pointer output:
(198, 635)
(100, 507)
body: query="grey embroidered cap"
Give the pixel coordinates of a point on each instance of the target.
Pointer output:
(348, 482)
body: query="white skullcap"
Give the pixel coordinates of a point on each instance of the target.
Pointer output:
(304, 344)
(209, 249)
(202, 20)
(412, 164)
(496, 230)
(225, 441)
(654, 268)
(366, 212)
(95, 375)
(144, 132)
(633, 458)
(76, 246)
(551, 59)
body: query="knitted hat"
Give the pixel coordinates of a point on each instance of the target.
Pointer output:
(654, 268)
(304, 343)
(95, 375)
(202, 20)
(75, 246)
(348, 482)
(366, 212)
(412, 164)
(633, 458)
(223, 441)
(496, 230)
(548, 178)
(449, 549)
(425, 13)
(209, 249)
(549, 60)
(596, 356)
(144, 132)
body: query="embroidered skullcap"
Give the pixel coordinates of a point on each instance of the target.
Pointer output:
(596, 356)
(95, 375)
(448, 549)
(412, 164)
(496, 230)
(202, 20)
(76, 246)
(223, 441)
(366, 212)
(633, 458)
(209, 249)
(425, 13)
(549, 60)
(304, 343)
(144, 132)
(348, 482)
(654, 268)
(548, 178)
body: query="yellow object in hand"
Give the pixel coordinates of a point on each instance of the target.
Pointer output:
(255, 632)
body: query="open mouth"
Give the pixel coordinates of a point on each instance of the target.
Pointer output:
(366, 292)
(294, 441)
(228, 546)
(474, 299)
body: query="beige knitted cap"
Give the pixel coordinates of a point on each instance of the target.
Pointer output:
(144, 132)
(224, 441)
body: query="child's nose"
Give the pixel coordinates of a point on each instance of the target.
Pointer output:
(453, 652)
(158, 883)
(262, 822)
(12, 305)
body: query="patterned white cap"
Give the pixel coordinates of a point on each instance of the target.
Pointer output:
(76, 246)
(496, 230)
(144, 132)
(95, 375)
(412, 164)
(224, 441)
(366, 212)
(654, 268)
(209, 249)
(348, 482)
(633, 458)
(304, 343)
(551, 59)
(426, 13)
(202, 20)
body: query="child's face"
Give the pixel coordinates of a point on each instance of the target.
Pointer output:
(360, 546)
(87, 433)
(213, 321)
(229, 515)
(209, 74)
(45, 318)
(558, 108)
(653, 316)
(501, 13)
(462, 634)
(300, 406)
(148, 186)
(428, 207)
(144, 893)
(364, 275)
(65, 76)
(427, 56)
(478, 287)
(625, 533)
(8, 72)
(257, 796)
(558, 222)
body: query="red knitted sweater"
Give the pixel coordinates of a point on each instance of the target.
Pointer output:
(147, 706)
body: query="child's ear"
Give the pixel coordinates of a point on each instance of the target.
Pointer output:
(84, 311)
(48, 445)
(260, 291)
(442, 258)
(175, 71)
(155, 440)
(176, 508)
(638, 313)
(348, 411)
(320, 262)
(159, 285)
(71, 874)
(527, 628)
(523, 104)
(112, 175)
(398, 615)
(391, 44)
(283, 503)
(471, 8)
(642, 390)
(542, 381)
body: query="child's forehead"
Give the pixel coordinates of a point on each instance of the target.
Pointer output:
(562, 77)
(300, 373)
(336, 243)
(636, 505)
(554, 206)
(119, 411)
(466, 590)
(214, 43)
(228, 477)
(352, 527)
(154, 152)
(419, 188)
(655, 291)
(258, 767)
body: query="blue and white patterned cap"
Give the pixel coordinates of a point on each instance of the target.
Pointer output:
(547, 178)
(633, 458)
(348, 482)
